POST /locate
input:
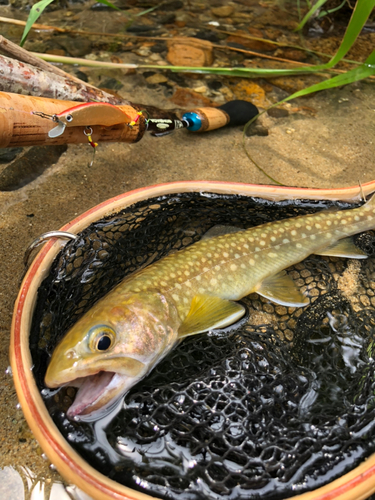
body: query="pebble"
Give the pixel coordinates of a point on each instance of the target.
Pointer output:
(224, 11)
(189, 52)
(143, 51)
(201, 90)
(278, 112)
(157, 78)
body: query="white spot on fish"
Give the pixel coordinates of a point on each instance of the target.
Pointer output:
(226, 254)
(217, 268)
(272, 255)
(233, 267)
(187, 273)
(308, 228)
(273, 238)
(312, 237)
(252, 262)
(213, 282)
(293, 233)
(175, 297)
(262, 243)
(298, 245)
(303, 235)
(318, 226)
(285, 240)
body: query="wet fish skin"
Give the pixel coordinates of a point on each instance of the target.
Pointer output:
(192, 291)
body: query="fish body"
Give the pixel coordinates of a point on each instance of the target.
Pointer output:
(118, 341)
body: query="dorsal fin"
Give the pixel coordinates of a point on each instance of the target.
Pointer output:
(220, 230)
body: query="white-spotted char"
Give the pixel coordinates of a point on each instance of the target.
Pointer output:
(134, 326)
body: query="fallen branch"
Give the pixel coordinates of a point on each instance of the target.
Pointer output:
(19, 77)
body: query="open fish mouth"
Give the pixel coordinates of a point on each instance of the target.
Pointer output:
(91, 390)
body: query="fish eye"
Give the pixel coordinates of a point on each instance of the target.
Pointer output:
(69, 118)
(102, 338)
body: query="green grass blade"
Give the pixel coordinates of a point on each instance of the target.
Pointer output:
(364, 71)
(148, 10)
(109, 4)
(325, 12)
(310, 13)
(361, 12)
(35, 12)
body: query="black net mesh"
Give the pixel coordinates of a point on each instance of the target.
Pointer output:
(271, 408)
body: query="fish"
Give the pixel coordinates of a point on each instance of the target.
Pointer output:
(132, 328)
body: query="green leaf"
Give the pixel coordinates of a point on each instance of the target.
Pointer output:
(35, 12)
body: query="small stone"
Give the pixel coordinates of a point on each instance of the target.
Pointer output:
(277, 112)
(256, 129)
(143, 51)
(201, 90)
(157, 78)
(188, 98)
(224, 11)
(187, 51)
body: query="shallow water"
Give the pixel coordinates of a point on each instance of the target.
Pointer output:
(323, 141)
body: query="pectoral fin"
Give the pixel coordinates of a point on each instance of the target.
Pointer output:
(281, 289)
(207, 312)
(344, 248)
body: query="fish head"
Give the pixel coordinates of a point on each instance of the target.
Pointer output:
(111, 348)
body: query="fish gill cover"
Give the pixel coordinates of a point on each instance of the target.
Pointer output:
(270, 409)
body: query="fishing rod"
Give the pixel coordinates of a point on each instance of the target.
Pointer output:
(28, 120)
